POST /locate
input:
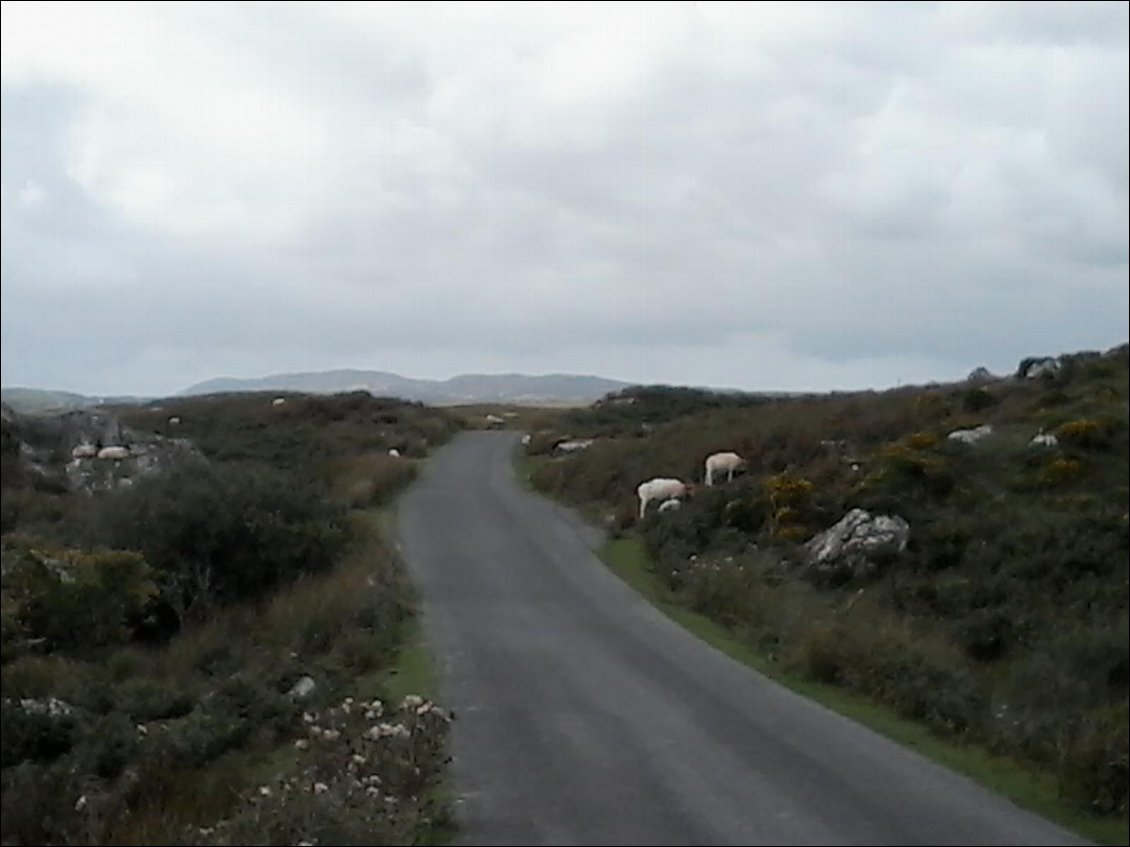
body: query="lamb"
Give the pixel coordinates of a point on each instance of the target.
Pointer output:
(718, 462)
(115, 452)
(670, 505)
(661, 489)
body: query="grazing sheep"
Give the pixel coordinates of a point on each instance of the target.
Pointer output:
(661, 489)
(494, 420)
(174, 420)
(719, 462)
(670, 505)
(278, 401)
(971, 436)
(86, 450)
(574, 445)
(392, 451)
(115, 452)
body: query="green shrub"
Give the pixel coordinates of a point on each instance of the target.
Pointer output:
(145, 698)
(978, 399)
(108, 743)
(34, 732)
(1091, 434)
(1094, 768)
(988, 635)
(222, 535)
(75, 598)
(37, 805)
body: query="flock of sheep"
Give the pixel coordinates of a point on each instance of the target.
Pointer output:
(669, 492)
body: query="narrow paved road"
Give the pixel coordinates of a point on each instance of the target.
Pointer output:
(584, 716)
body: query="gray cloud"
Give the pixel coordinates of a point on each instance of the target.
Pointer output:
(773, 197)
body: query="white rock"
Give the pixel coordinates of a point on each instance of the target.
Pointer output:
(303, 688)
(857, 544)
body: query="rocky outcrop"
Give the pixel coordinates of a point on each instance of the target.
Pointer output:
(85, 450)
(858, 545)
(981, 375)
(1037, 367)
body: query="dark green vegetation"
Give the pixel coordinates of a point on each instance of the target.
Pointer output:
(1004, 626)
(153, 637)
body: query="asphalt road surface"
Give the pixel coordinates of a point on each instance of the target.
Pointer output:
(584, 716)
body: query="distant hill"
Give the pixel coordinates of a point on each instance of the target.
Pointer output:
(36, 401)
(518, 389)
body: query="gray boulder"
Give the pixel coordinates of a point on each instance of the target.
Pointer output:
(858, 545)
(1038, 367)
(981, 375)
(302, 689)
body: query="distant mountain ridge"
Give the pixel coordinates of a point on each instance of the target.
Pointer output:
(513, 388)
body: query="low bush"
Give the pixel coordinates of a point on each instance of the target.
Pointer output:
(219, 536)
(75, 599)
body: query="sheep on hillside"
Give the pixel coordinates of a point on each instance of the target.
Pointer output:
(661, 489)
(723, 462)
(86, 450)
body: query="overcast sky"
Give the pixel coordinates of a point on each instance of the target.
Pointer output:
(759, 196)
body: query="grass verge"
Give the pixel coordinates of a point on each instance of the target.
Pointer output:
(627, 558)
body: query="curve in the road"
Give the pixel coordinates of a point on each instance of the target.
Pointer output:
(587, 717)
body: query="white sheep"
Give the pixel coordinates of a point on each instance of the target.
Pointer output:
(526, 439)
(573, 445)
(719, 462)
(494, 420)
(661, 489)
(670, 505)
(1044, 439)
(392, 451)
(115, 452)
(174, 420)
(86, 450)
(278, 401)
(971, 436)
